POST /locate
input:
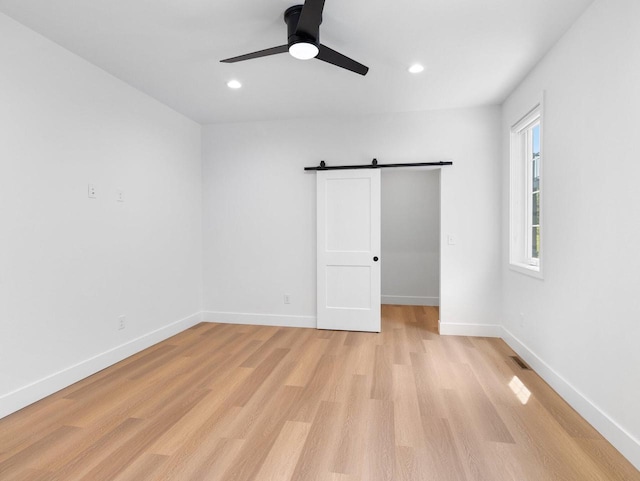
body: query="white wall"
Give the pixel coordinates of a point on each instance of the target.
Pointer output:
(410, 228)
(582, 322)
(69, 265)
(259, 209)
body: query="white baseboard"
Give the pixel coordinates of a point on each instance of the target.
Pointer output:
(22, 397)
(622, 440)
(411, 300)
(472, 330)
(280, 320)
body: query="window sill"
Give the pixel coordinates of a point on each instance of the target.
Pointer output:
(532, 271)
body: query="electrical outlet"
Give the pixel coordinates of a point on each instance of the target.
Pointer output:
(287, 298)
(91, 191)
(122, 322)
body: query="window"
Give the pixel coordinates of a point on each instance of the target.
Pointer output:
(525, 253)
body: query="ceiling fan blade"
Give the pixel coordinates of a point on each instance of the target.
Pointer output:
(310, 18)
(260, 53)
(336, 58)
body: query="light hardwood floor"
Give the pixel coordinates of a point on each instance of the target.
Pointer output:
(231, 402)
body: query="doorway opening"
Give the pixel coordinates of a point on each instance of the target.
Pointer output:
(410, 243)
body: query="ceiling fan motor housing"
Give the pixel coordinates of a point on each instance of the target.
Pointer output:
(291, 17)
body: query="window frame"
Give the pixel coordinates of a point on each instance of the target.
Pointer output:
(521, 193)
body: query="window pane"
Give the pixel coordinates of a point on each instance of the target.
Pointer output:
(535, 242)
(535, 161)
(535, 130)
(535, 209)
(535, 191)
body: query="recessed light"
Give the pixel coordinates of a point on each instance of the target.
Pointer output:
(234, 84)
(416, 68)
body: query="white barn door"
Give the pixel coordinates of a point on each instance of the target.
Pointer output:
(349, 249)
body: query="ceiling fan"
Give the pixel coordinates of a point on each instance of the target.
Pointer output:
(303, 29)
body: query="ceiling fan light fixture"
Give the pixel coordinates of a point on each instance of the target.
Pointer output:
(416, 68)
(303, 50)
(234, 84)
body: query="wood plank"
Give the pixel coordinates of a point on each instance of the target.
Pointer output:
(277, 339)
(86, 458)
(17, 431)
(408, 429)
(260, 440)
(312, 393)
(349, 455)
(560, 455)
(179, 434)
(144, 467)
(382, 387)
(215, 462)
(283, 456)
(407, 466)
(442, 456)
(28, 457)
(380, 462)
(311, 354)
(608, 459)
(479, 409)
(472, 445)
(318, 450)
(137, 445)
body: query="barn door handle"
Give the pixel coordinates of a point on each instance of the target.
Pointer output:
(375, 259)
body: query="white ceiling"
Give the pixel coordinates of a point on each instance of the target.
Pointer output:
(475, 52)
